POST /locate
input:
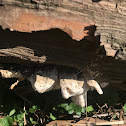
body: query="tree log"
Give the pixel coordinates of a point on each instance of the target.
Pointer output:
(65, 32)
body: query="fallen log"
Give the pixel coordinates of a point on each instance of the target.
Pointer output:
(68, 33)
(72, 16)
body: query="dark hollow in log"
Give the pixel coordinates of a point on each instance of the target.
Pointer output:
(59, 49)
(52, 47)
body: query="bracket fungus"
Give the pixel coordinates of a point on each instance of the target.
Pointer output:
(43, 81)
(69, 82)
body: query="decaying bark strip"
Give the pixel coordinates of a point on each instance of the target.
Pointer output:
(22, 53)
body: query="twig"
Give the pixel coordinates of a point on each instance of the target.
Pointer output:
(112, 117)
(110, 123)
(102, 115)
(42, 120)
(36, 116)
(121, 115)
(25, 122)
(100, 108)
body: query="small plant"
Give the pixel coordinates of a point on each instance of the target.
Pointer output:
(12, 117)
(8, 119)
(18, 117)
(33, 110)
(72, 108)
(52, 116)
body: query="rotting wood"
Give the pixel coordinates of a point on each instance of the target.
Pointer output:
(95, 124)
(52, 47)
(108, 17)
(22, 53)
(27, 16)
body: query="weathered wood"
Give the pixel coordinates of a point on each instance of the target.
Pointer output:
(51, 47)
(78, 19)
(22, 53)
(107, 15)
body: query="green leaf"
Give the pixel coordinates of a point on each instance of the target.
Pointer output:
(63, 105)
(34, 107)
(8, 121)
(31, 110)
(31, 119)
(71, 111)
(12, 112)
(21, 124)
(15, 119)
(54, 108)
(78, 109)
(1, 122)
(73, 105)
(67, 108)
(78, 113)
(33, 122)
(83, 109)
(19, 117)
(52, 117)
(70, 108)
(90, 109)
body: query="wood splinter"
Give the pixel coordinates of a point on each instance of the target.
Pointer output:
(12, 74)
(16, 83)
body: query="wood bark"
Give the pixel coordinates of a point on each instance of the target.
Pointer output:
(107, 15)
(96, 21)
